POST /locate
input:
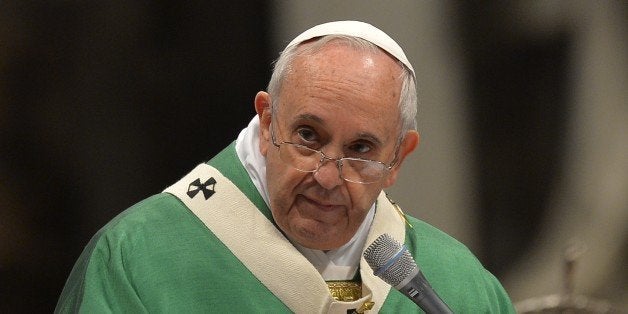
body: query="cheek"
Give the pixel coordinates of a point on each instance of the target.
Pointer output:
(281, 179)
(362, 197)
(263, 146)
(283, 186)
(273, 172)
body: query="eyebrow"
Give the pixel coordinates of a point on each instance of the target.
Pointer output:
(370, 137)
(363, 135)
(309, 116)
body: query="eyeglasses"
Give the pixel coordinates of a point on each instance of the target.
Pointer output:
(356, 170)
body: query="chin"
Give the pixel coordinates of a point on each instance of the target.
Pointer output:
(313, 241)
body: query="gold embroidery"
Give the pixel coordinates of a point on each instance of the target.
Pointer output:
(345, 290)
(365, 307)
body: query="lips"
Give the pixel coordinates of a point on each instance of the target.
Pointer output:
(321, 205)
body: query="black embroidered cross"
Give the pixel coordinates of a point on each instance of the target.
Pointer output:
(197, 186)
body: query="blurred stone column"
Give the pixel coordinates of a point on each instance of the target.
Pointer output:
(591, 204)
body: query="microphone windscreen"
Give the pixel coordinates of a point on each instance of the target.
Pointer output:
(390, 260)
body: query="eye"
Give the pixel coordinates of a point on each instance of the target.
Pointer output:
(360, 148)
(307, 135)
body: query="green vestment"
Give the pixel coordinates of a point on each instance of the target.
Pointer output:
(208, 244)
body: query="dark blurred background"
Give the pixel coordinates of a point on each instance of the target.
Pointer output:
(105, 103)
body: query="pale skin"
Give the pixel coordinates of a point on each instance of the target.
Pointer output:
(344, 102)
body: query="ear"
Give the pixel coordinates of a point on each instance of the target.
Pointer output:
(263, 109)
(409, 143)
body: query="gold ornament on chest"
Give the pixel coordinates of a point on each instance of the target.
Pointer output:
(346, 291)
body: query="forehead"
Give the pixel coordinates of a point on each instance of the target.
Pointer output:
(344, 87)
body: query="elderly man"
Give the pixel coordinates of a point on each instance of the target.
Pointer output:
(278, 221)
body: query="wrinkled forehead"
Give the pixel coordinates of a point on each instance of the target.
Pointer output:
(356, 29)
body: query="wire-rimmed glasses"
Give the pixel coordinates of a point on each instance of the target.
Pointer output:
(306, 159)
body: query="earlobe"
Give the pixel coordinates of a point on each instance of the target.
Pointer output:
(263, 109)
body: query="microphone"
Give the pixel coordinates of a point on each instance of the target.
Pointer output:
(393, 263)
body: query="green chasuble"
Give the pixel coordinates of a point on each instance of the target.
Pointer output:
(208, 244)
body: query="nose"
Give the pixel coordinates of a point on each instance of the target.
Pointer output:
(328, 174)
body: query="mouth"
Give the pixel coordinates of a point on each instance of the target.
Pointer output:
(321, 205)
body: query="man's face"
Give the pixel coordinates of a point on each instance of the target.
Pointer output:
(343, 102)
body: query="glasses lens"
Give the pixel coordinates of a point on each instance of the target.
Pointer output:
(362, 171)
(300, 157)
(306, 159)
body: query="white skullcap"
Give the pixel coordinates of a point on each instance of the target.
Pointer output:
(362, 30)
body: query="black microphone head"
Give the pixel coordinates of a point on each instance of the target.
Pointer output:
(389, 260)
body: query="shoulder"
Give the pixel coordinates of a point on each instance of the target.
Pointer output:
(427, 240)
(142, 225)
(454, 271)
(145, 214)
(100, 270)
(163, 206)
(437, 252)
